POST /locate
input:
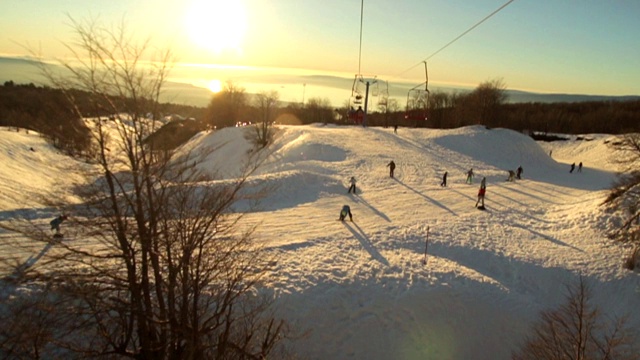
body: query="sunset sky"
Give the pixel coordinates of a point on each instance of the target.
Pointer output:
(570, 46)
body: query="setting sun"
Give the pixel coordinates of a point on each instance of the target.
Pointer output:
(215, 86)
(217, 25)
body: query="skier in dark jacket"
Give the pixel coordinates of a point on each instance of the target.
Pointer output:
(55, 223)
(353, 185)
(573, 166)
(444, 180)
(346, 210)
(469, 176)
(519, 173)
(392, 166)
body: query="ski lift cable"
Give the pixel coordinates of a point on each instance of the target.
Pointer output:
(459, 36)
(360, 51)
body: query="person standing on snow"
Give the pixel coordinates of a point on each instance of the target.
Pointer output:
(573, 166)
(580, 167)
(392, 167)
(483, 183)
(346, 210)
(353, 185)
(55, 223)
(469, 176)
(444, 180)
(519, 172)
(360, 116)
(480, 201)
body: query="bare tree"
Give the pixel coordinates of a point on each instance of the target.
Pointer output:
(483, 105)
(388, 107)
(576, 331)
(158, 266)
(317, 110)
(266, 104)
(228, 107)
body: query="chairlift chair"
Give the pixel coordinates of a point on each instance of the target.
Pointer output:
(418, 101)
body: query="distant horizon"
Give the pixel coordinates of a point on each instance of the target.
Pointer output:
(543, 46)
(188, 84)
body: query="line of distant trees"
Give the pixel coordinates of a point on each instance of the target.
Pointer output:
(53, 113)
(486, 105)
(48, 111)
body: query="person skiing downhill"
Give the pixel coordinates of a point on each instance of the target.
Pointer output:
(346, 210)
(55, 223)
(352, 181)
(573, 166)
(392, 167)
(470, 176)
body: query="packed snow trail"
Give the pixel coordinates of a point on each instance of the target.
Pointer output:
(360, 290)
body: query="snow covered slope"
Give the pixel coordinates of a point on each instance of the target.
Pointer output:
(360, 290)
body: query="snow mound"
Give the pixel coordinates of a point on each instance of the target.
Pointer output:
(221, 154)
(31, 170)
(496, 151)
(287, 189)
(499, 148)
(593, 150)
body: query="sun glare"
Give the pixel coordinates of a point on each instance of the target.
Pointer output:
(217, 25)
(215, 86)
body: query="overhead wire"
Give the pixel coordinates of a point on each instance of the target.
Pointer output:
(360, 52)
(459, 36)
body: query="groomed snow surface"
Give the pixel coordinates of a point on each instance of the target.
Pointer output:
(360, 290)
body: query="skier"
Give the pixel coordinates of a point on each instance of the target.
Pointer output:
(444, 180)
(573, 166)
(519, 172)
(353, 185)
(360, 116)
(480, 201)
(392, 167)
(483, 183)
(512, 176)
(346, 210)
(469, 176)
(55, 224)
(580, 167)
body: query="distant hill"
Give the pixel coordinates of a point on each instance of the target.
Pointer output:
(516, 96)
(23, 71)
